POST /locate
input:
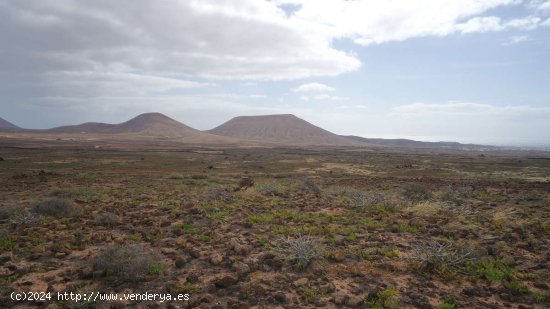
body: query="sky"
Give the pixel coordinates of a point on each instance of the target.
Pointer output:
(475, 71)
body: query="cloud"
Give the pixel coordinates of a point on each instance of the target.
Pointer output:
(516, 39)
(494, 24)
(313, 87)
(541, 5)
(243, 39)
(469, 108)
(321, 97)
(376, 22)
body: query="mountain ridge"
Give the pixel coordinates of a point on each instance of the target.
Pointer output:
(267, 130)
(4, 124)
(284, 129)
(153, 124)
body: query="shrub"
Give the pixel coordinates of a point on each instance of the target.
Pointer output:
(384, 299)
(455, 194)
(220, 195)
(310, 186)
(439, 257)
(299, 251)
(128, 263)
(415, 192)
(492, 270)
(107, 219)
(7, 212)
(337, 190)
(268, 188)
(245, 183)
(7, 243)
(431, 209)
(198, 176)
(175, 176)
(25, 218)
(56, 207)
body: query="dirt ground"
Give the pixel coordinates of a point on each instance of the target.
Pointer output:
(276, 228)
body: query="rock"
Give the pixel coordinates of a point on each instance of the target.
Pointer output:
(339, 239)
(340, 298)
(280, 297)
(194, 252)
(4, 258)
(508, 259)
(86, 273)
(242, 269)
(226, 280)
(300, 282)
(355, 301)
(206, 298)
(181, 243)
(470, 291)
(169, 252)
(235, 304)
(180, 262)
(238, 248)
(192, 278)
(4, 272)
(59, 255)
(338, 256)
(216, 259)
(328, 288)
(541, 285)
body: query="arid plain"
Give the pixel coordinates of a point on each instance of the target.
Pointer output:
(256, 225)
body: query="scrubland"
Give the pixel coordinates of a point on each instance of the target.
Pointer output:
(287, 228)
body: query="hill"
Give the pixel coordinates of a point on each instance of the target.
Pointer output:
(408, 143)
(148, 126)
(283, 129)
(4, 124)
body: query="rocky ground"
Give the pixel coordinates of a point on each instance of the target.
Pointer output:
(280, 228)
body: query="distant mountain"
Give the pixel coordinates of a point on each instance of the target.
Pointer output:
(148, 125)
(7, 125)
(152, 124)
(407, 143)
(266, 130)
(283, 129)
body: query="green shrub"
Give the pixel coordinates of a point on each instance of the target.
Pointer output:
(384, 299)
(7, 243)
(225, 196)
(492, 270)
(299, 251)
(107, 219)
(56, 207)
(415, 192)
(435, 256)
(175, 176)
(310, 186)
(198, 176)
(268, 188)
(129, 263)
(7, 212)
(455, 194)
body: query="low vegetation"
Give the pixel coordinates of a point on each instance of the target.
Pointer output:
(290, 228)
(56, 207)
(128, 263)
(300, 251)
